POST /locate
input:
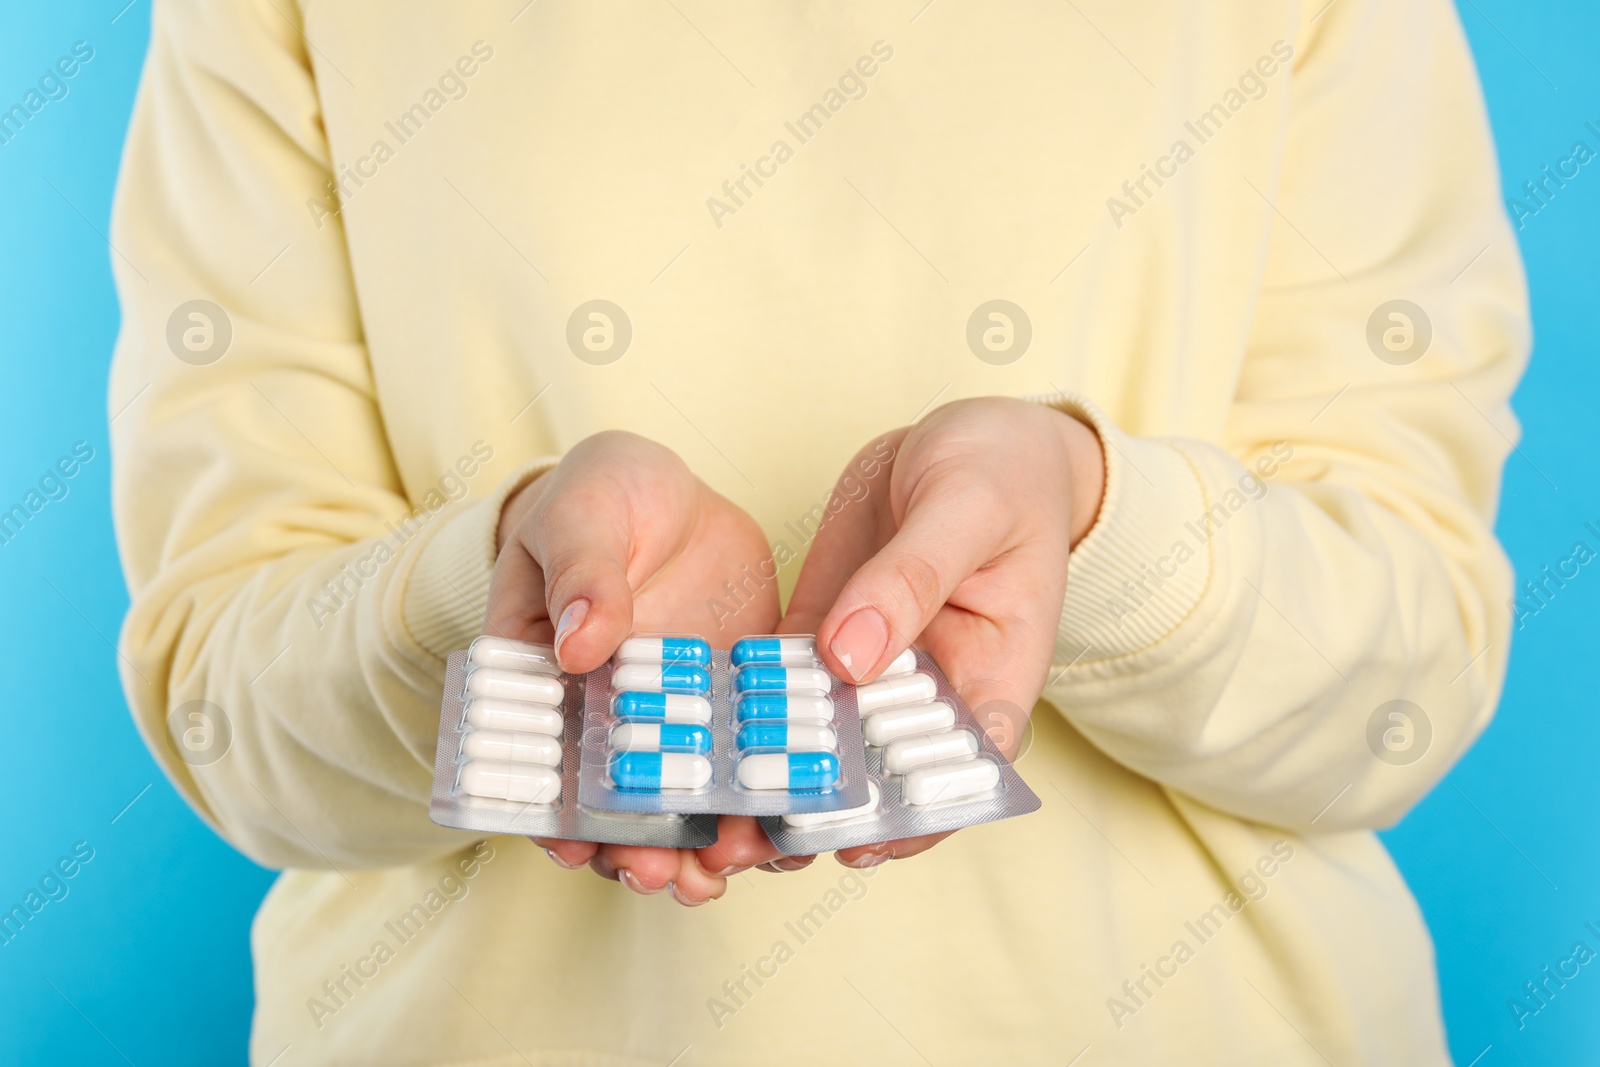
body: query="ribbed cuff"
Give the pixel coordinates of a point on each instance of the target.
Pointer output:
(1141, 569)
(447, 591)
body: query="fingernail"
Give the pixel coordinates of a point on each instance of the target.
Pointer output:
(570, 620)
(861, 642)
(559, 862)
(729, 872)
(672, 887)
(868, 859)
(785, 864)
(632, 882)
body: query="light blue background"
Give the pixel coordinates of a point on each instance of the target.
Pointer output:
(147, 959)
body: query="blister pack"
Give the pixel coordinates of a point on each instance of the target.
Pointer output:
(510, 734)
(672, 727)
(930, 767)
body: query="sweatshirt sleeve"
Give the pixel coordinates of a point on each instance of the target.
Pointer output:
(1245, 613)
(278, 568)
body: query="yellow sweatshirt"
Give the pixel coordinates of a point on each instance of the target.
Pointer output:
(395, 217)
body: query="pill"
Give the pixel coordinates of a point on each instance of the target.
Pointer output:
(523, 783)
(651, 772)
(769, 679)
(514, 747)
(513, 655)
(794, 651)
(514, 685)
(681, 677)
(665, 650)
(783, 706)
(949, 781)
(492, 714)
(797, 772)
(909, 752)
(662, 707)
(893, 723)
(786, 735)
(904, 663)
(892, 692)
(661, 737)
(812, 820)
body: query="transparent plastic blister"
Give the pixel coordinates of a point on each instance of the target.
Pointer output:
(931, 768)
(510, 731)
(784, 737)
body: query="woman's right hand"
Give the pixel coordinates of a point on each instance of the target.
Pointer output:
(622, 537)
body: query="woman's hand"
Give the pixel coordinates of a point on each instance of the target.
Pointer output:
(960, 544)
(619, 537)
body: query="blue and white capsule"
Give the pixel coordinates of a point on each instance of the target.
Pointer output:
(782, 679)
(755, 707)
(786, 735)
(667, 677)
(665, 650)
(651, 772)
(661, 707)
(796, 650)
(661, 737)
(794, 772)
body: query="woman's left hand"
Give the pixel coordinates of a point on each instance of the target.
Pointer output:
(959, 544)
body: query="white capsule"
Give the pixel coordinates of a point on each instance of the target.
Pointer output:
(949, 781)
(513, 747)
(515, 685)
(813, 820)
(511, 655)
(910, 752)
(522, 783)
(492, 714)
(893, 723)
(904, 663)
(893, 692)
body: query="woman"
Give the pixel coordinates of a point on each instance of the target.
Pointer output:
(562, 321)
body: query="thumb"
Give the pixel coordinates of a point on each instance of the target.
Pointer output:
(580, 543)
(892, 597)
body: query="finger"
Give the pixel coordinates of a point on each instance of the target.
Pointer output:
(942, 540)
(740, 845)
(871, 855)
(516, 598)
(580, 541)
(852, 532)
(641, 868)
(693, 886)
(998, 669)
(568, 854)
